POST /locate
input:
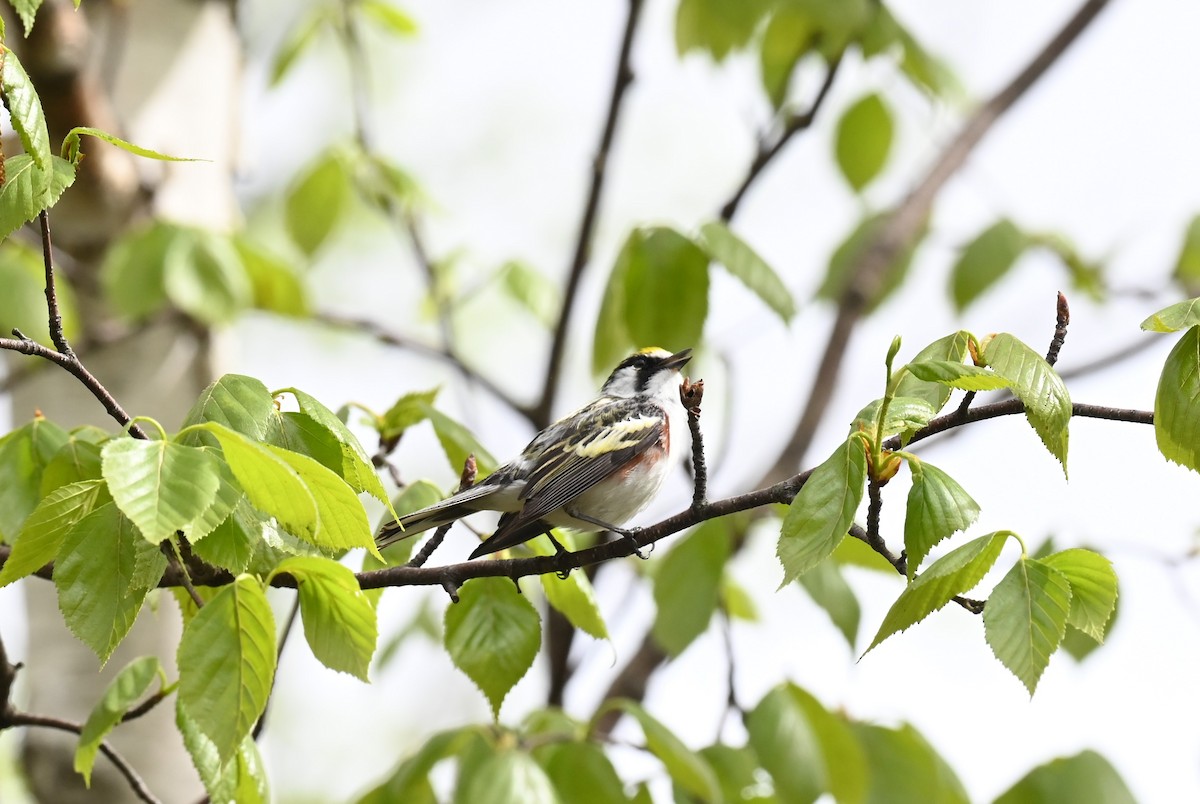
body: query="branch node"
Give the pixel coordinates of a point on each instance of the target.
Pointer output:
(19, 335)
(451, 588)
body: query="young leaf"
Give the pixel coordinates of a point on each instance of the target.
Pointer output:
(23, 302)
(298, 40)
(1181, 315)
(716, 27)
(1026, 617)
(984, 261)
(1177, 403)
(1035, 382)
(683, 765)
(953, 574)
(807, 750)
(95, 573)
(226, 664)
(827, 587)
(241, 779)
(341, 520)
(1086, 776)
(25, 109)
(573, 596)
(532, 290)
(410, 409)
(864, 140)
(905, 414)
(508, 775)
(29, 189)
(493, 635)
(339, 620)
(204, 277)
(788, 36)
(71, 150)
(581, 772)
(937, 508)
(126, 688)
(132, 272)
(823, 511)
(905, 769)
(277, 285)
(76, 461)
(355, 465)
(241, 403)
(743, 262)
(389, 18)
(317, 200)
(686, 585)
(24, 455)
(1187, 266)
(1093, 589)
(160, 485)
(953, 348)
(611, 340)
(959, 375)
(666, 288)
(44, 530)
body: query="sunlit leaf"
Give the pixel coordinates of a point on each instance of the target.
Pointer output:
(823, 511)
(937, 508)
(1038, 386)
(126, 689)
(1086, 776)
(1026, 617)
(339, 620)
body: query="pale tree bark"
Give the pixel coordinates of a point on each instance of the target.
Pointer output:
(163, 74)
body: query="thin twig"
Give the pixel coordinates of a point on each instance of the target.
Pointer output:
(766, 153)
(1061, 319)
(55, 315)
(692, 394)
(288, 627)
(135, 782)
(587, 224)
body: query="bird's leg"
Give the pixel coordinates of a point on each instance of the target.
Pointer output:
(628, 533)
(560, 555)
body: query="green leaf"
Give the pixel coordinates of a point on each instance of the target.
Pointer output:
(341, 520)
(581, 772)
(716, 26)
(23, 302)
(662, 264)
(133, 269)
(807, 750)
(844, 261)
(1187, 266)
(275, 283)
(1177, 403)
(955, 573)
(298, 40)
(410, 409)
(339, 620)
(76, 461)
(954, 374)
(1038, 386)
(241, 403)
(26, 10)
(410, 781)
(1026, 617)
(1086, 776)
(44, 530)
(1093, 589)
(95, 572)
(827, 587)
(161, 486)
(204, 277)
(905, 414)
(29, 189)
(953, 348)
(242, 779)
(683, 765)
(823, 511)
(790, 34)
(354, 465)
(232, 543)
(317, 200)
(864, 140)
(387, 17)
(226, 664)
(738, 774)
(985, 260)
(72, 152)
(937, 508)
(492, 634)
(25, 107)
(905, 769)
(725, 247)
(24, 455)
(572, 596)
(1181, 315)
(457, 442)
(736, 601)
(611, 341)
(507, 777)
(532, 290)
(126, 688)
(687, 584)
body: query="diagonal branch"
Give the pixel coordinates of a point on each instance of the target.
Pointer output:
(587, 224)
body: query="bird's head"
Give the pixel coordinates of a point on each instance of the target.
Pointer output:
(649, 372)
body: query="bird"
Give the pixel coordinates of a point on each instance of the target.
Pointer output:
(591, 470)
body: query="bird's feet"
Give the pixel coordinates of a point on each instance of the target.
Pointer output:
(562, 557)
(630, 535)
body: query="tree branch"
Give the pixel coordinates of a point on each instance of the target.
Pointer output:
(587, 224)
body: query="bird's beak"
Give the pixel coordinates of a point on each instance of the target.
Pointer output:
(677, 360)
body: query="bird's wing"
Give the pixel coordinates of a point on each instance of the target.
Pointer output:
(592, 445)
(453, 507)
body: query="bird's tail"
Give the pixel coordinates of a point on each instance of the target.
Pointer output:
(448, 510)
